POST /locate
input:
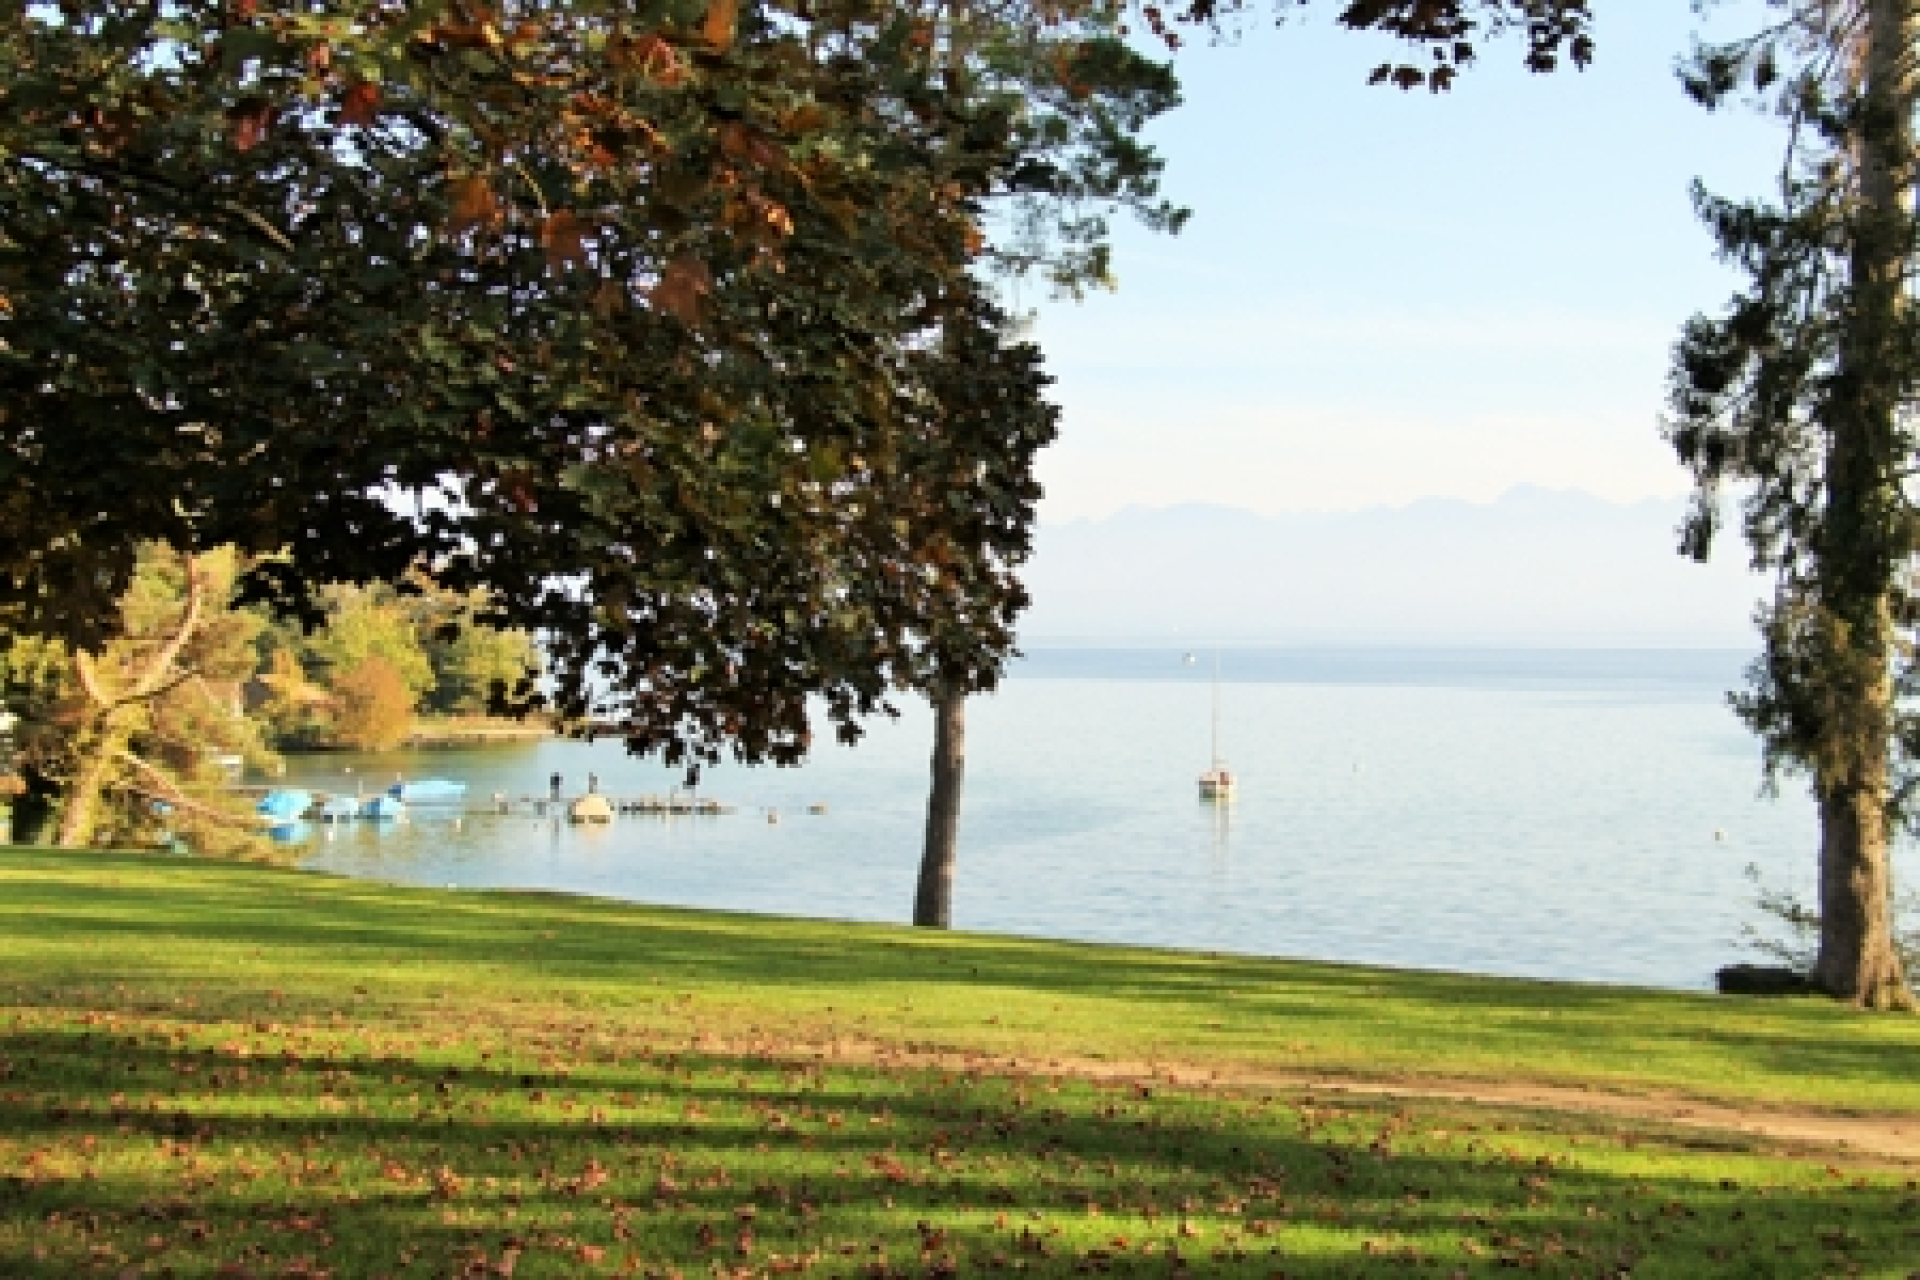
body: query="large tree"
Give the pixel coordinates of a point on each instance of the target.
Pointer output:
(631, 300)
(1802, 395)
(985, 421)
(265, 268)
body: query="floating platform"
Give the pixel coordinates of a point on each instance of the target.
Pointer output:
(590, 808)
(338, 809)
(440, 800)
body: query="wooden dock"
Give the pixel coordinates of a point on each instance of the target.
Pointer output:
(527, 805)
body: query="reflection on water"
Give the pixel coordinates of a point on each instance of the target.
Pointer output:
(1219, 821)
(1555, 826)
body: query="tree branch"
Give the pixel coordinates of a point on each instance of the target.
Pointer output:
(119, 173)
(165, 789)
(150, 685)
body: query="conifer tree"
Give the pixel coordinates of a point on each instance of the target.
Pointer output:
(1800, 397)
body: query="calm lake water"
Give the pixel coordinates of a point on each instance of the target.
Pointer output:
(1565, 814)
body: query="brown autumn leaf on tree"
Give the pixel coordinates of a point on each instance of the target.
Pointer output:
(741, 142)
(717, 30)
(482, 33)
(683, 286)
(650, 54)
(471, 205)
(659, 61)
(563, 236)
(248, 121)
(804, 119)
(360, 104)
(608, 299)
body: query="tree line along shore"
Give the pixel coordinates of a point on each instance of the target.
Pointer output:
(191, 685)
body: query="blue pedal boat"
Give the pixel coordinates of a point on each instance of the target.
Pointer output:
(279, 808)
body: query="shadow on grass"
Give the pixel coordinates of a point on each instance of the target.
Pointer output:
(599, 951)
(130, 1147)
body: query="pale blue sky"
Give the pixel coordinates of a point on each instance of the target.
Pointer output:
(1387, 296)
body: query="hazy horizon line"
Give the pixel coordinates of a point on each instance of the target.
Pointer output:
(1522, 489)
(1475, 641)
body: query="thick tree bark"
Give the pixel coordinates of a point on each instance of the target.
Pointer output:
(1855, 558)
(933, 902)
(81, 803)
(1857, 959)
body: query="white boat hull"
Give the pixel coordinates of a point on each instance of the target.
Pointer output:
(1216, 784)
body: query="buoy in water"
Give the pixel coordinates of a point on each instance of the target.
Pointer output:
(590, 808)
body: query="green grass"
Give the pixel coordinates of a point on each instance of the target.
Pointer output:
(208, 1067)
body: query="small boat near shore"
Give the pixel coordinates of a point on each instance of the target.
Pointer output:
(283, 807)
(429, 791)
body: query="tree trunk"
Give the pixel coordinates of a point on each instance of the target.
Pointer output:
(82, 799)
(933, 902)
(35, 812)
(1855, 560)
(1857, 960)
(116, 698)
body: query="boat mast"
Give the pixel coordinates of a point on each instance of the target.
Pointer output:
(1216, 709)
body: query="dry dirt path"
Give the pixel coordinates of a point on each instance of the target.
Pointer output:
(1882, 1138)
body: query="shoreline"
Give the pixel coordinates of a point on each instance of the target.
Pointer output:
(469, 733)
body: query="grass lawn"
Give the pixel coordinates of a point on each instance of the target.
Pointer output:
(212, 1069)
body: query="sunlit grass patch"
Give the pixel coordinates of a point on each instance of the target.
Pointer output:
(207, 1068)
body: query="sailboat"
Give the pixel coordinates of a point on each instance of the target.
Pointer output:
(1217, 782)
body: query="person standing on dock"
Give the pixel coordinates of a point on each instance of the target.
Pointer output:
(554, 784)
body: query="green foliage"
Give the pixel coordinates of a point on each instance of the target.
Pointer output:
(201, 338)
(364, 623)
(292, 709)
(138, 722)
(1806, 368)
(1801, 398)
(1446, 33)
(473, 662)
(630, 300)
(446, 661)
(372, 705)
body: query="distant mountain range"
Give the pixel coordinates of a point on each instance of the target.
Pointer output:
(1534, 567)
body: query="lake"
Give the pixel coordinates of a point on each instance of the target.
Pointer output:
(1578, 814)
